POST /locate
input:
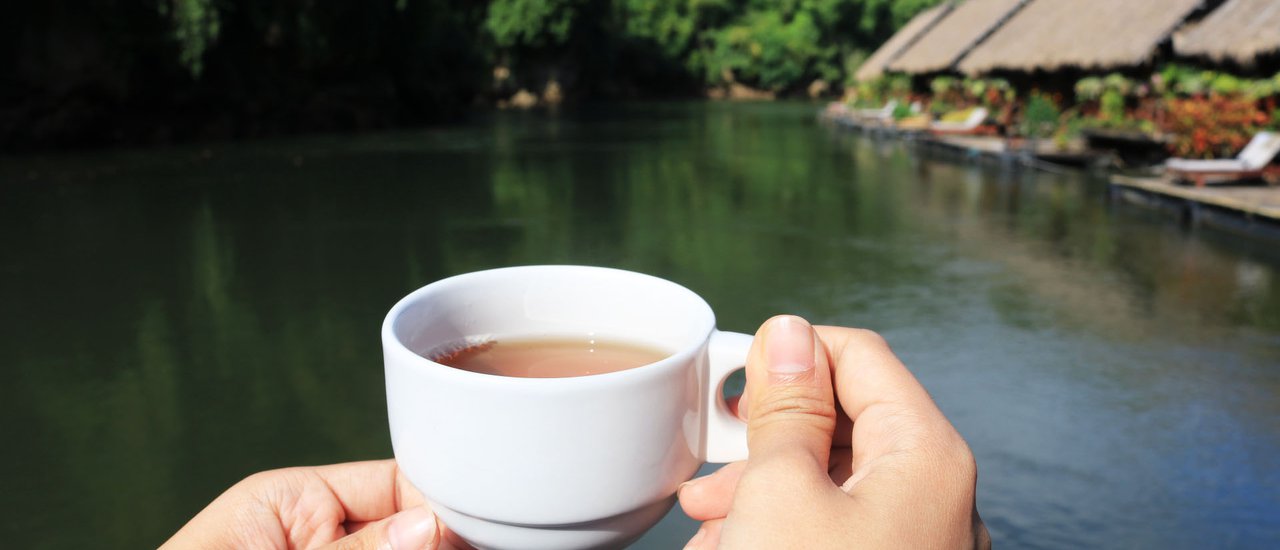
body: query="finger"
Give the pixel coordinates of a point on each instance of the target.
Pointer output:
(792, 406)
(736, 405)
(710, 496)
(412, 529)
(893, 417)
(707, 537)
(868, 373)
(891, 412)
(369, 491)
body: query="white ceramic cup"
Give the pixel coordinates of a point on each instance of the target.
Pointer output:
(558, 463)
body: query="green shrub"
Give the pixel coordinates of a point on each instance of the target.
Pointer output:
(1194, 83)
(1089, 89)
(901, 111)
(1119, 83)
(975, 87)
(1111, 105)
(1040, 116)
(1225, 84)
(875, 92)
(898, 85)
(942, 85)
(1070, 125)
(1171, 76)
(1259, 89)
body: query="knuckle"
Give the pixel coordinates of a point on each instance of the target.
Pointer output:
(869, 338)
(964, 463)
(267, 476)
(789, 404)
(259, 478)
(955, 465)
(272, 485)
(352, 542)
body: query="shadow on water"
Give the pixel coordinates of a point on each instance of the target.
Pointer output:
(181, 318)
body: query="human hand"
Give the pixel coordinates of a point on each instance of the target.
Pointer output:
(872, 464)
(353, 506)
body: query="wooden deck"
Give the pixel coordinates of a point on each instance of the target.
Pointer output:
(1249, 201)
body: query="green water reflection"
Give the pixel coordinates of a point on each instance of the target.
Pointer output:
(178, 319)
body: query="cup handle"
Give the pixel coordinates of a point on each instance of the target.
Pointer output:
(726, 439)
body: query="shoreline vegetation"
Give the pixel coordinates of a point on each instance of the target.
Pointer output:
(110, 72)
(1186, 111)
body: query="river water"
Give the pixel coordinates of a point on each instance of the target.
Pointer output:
(176, 319)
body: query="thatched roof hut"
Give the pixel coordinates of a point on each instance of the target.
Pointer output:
(874, 66)
(948, 41)
(1240, 31)
(1089, 34)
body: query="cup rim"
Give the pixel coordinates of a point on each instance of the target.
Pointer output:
(394, 346)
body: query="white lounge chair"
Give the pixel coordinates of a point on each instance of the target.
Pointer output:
(976, 117)
(1249, 164)
(881, 114)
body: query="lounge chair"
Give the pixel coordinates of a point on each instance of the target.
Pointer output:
(969, 125)
(1250, 164)
(880, 115)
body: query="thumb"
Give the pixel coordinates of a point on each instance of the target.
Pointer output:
(412, 529)
(791, 407)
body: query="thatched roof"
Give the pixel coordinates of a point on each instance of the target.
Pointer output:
(1240, 31)
(1090, 34)
(953, 37)
(918, 25)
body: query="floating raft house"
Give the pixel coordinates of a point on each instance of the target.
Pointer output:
(1239, 31)
(1047, 35)
(955, 35)
(874, 66)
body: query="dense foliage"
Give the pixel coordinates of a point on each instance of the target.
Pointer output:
(1194, 111)
(1218, 126)
(1041, 116)
(1201, 113)
(107, 70)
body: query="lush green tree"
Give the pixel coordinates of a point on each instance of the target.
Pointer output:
(783, 45)
(766, 50)
(531, 23)
(195, 28)
(112, 70)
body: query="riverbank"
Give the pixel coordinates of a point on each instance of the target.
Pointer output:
(974, 143)
(1253, 208)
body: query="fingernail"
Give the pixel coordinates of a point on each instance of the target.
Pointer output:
(697, 538)
(412, 529)
(682, 487)
(789, 346)
(691, 484)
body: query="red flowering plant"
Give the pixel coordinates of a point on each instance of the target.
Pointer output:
(1216, 126)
